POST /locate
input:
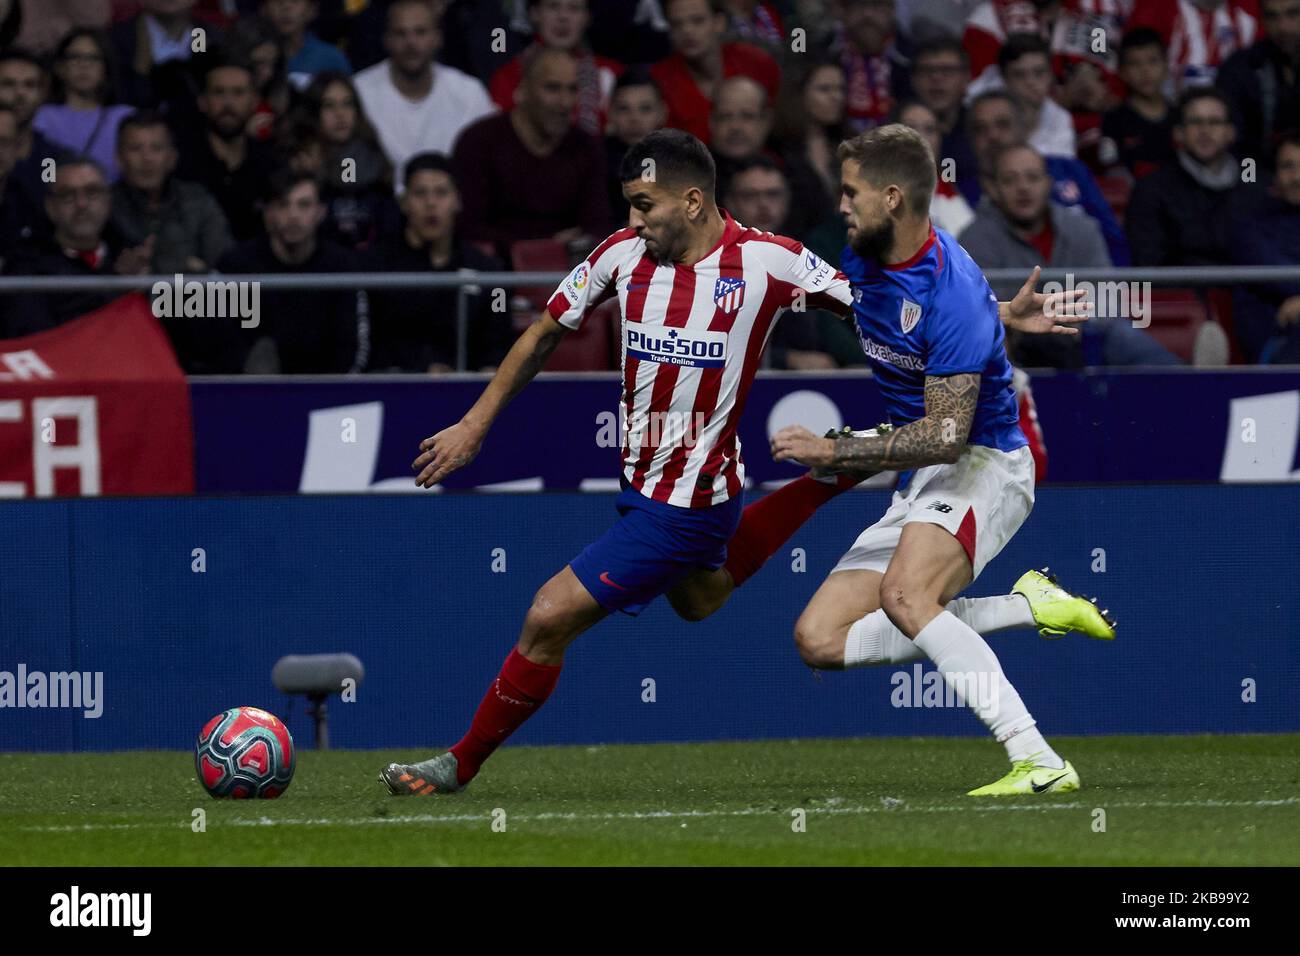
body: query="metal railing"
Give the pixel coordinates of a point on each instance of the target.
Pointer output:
(465, 280)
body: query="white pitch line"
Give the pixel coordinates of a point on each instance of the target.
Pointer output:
(674, 814)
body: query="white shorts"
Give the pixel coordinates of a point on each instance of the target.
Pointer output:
(981, 499)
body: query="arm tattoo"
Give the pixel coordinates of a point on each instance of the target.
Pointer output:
(937, 438)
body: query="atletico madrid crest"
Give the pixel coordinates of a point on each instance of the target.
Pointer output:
(729, 294)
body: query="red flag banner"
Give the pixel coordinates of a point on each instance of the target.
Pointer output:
(96, 406)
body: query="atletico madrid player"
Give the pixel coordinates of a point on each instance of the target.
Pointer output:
(699, 294)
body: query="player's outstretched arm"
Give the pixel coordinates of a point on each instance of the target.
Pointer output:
(938, 438)
(458, 445)
(1057, 312)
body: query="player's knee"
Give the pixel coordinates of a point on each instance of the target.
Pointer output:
(815, 639)
(692, 608)
(547, 621)
(899, 603)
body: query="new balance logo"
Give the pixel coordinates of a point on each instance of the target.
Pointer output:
(938, 506)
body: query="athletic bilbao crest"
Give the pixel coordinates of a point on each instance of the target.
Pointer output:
(911, 315)
(729, 294)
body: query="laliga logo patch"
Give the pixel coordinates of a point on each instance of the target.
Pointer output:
(812, 262)
(910, 316)
(576, 282)
(729, 294)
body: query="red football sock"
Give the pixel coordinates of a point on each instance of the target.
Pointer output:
(768, 523)
(518, 691)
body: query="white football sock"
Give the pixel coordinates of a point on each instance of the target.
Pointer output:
(971, 669)
(875, 640)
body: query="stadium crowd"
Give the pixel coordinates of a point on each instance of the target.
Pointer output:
(288, 136)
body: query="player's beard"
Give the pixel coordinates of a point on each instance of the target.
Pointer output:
(876, 243)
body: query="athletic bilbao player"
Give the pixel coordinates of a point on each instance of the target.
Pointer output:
(699, 294)
(928, 322)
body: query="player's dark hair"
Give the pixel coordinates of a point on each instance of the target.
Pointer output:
(1195, 95)
(285, 180)
(427, 163)
(895, 155)
(1022, 44)
(938, 45)
(1138, 38)
(677, 159)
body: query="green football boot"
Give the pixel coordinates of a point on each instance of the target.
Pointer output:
(1057, 612)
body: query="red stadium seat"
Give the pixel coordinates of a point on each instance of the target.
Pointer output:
(535, 255)
(1176, 316)
(591, 347)
(1116, 190)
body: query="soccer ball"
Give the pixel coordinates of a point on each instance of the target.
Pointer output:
(244, 752)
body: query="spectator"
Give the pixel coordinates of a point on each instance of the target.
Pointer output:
(219, 155)
(874, 67)
(1199, 34)
(757, 22)
(152, 53)
(1141, 129)
(563, 24)
(23, 86)
(174, 225)
(989, 26)
(22, 219)
(415, 330)
(635, 110)
(414, 103)
(810, 124)
(80, 245)
(300, 332)
(994, 121)
(690, 78)
(739, 124)
(1085, 96)
(757, 195)
(77, 119)
(940, 75)
(1262, 82)
(1018, 227)
(305, 54)
(1026, 66)
(1179, 215)
(949, 209)
(1267, 317)
(529, 173)
(255, 43)
(327, 135)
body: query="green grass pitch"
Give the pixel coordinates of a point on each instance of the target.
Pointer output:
(1187, 800)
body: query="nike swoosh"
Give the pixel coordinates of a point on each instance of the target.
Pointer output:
(605, 579)
(1040, 788)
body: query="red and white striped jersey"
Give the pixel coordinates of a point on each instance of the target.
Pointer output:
(1199, 40)
(692, 338)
